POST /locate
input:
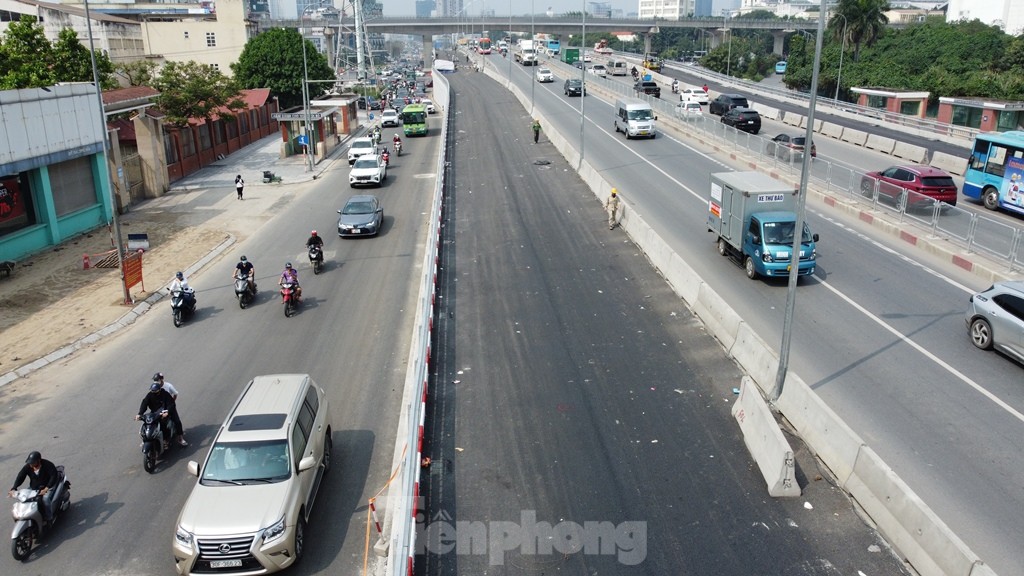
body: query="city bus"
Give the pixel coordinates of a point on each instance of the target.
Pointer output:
(995, 171)
(483, 46)
(414, 120)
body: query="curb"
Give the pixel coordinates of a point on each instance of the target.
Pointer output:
(124, 321)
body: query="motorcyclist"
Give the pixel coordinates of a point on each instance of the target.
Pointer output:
(245, 269)
(314, 240)
(291, 275)
(181, 283)
(172, 409)
(42, 476)
(397, 141)
(158, 401)
(376, 135)
(386, 156)
(675, 86)
(636, 74)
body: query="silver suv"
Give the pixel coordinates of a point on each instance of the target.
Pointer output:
(995, 319)
(247, 513)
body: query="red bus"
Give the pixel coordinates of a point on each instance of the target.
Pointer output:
(483, 46)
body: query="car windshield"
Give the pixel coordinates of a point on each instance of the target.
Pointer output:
(782, 233)
(247, 462)
(365, 162)
(390, 113)
(362, 144)
(358, 208)
(543, 71)
(574, 82)
(645, 114)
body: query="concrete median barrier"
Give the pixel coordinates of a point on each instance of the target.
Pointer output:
(930, 546)
(719, 318)
(765, 441)
(916, 154)
(792, 118)
(855, 137)
(767, 111)
(949, 163)
(755, 356)
(880, 143)
(832, 130)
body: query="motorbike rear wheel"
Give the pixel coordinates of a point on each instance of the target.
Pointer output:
(289, 309)
(21, 546)
(177, 318)
(318, 266)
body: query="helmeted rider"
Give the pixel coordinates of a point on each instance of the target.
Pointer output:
(675, 85)
(397, 140)
(314, 240)
(291, 275)
(42, 476)
(172, 408)
(636, 74)
(181, 283)
(158, 401)
(245, 269)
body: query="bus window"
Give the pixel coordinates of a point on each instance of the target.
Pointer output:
(996, 160)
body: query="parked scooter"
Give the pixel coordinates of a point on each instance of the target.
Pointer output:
(289, 298)
(183, 306)
(153, 438)
(245, 292)
(316, 258)
(28, 515)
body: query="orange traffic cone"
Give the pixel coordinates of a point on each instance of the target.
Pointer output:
(86, 264)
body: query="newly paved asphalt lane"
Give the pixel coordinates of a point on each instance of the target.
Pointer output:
(572, 386)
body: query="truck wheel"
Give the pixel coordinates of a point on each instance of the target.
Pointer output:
(748, 267)
(723, 248)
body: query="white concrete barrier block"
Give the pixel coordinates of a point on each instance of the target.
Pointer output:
(721, 320)
(949, 163)
(755, 356)
(817, 125)
(824, 432)
(916, 154)
(765, 441)
(856, 137)
(905, 520)
(832, 130)
(880, 143)
(792, 118)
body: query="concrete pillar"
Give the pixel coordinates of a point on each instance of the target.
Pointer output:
(149, 136)
(780, 43)
(717, 38)
(647, 43)
(428, 51)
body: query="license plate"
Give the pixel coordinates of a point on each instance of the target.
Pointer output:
(750, 121)
(225, 563)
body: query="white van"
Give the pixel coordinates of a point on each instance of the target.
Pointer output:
(618, 68)
(634, 118)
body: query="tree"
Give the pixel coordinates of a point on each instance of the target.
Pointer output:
(865, 21)
(273, 60)
(138, 72)
(191, 90)
(29, 60)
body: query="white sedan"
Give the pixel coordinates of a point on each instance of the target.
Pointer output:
(598, 70)
(429, 105)
(697, 95)
(545, 75)
(368, 170)
(586, 56)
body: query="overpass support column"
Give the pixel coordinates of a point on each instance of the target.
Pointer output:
(647, 43)
(428, 51)
(717, 37)
(780, 43)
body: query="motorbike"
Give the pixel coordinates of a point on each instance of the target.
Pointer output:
(316, 258)
(28, 515)
(675, 88)
(398, 147)
(153, 438)
(386, 156)
(289, 298)
(183, 306)
(244, 291)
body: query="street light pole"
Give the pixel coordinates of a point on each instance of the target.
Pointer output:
(536, 62)
(842, 50)
(305, 103)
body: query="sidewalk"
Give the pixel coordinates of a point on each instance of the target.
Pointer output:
(52, 306)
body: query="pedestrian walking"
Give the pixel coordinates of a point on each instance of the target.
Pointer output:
(536, 130)
(239, 185)
(612, 206)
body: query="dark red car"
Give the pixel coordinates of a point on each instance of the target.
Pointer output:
(920, 181)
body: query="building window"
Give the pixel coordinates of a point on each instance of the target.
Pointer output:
(71, 183)
(215, 66)
(186, 35)
(211, 39)
(1008, 120)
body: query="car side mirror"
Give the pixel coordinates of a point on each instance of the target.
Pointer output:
(814, 237)
(655, 117)
(193, 468)
(339, 211)
(306, 463)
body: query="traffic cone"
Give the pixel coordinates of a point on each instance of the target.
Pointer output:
(86, 264)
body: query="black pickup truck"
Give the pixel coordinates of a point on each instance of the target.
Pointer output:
(647, 87)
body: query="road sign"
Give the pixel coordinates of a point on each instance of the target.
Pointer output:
(371, 115)
(302, 140)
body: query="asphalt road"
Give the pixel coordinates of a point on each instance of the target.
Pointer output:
(351, 335)
(879, 331)
(572, 386)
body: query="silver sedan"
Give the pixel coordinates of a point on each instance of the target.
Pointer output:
(995, 319)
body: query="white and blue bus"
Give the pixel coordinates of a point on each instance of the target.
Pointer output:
(995, 171)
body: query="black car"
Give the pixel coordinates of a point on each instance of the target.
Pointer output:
(743, 119)
(648, 87)
(574, 87)
(726, 102)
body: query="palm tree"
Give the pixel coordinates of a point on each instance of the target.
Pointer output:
(864, 21)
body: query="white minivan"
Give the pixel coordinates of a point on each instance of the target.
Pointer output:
(634, 118)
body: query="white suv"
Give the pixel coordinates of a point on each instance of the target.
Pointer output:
(359, 147)
(389, 117)
(247, 513)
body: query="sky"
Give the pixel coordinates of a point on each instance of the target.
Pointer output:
(501, 7)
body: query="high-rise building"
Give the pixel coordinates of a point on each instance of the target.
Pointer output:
(599, 9)
(424, 8)
(702, 8)
(667, 9)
